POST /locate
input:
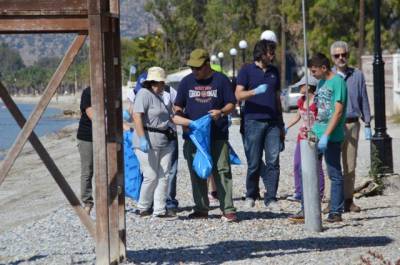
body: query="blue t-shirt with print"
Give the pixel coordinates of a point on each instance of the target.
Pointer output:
(262, 106)
(197, 97)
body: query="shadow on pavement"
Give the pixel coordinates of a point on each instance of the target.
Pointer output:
(35, 258)
(241, 250)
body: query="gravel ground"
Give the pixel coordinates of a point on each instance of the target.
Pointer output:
(38, 227)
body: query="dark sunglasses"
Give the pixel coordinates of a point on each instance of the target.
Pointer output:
(343, 55)
(196, 68)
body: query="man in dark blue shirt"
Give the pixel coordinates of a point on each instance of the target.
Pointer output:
(201, 92)
(258, 85)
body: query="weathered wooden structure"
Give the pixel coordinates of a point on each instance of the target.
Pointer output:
(98, 19)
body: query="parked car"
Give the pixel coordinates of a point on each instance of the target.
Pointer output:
(289, 98)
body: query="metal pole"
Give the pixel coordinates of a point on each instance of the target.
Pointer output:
(283, 53)
(309, 161)
(305, 62)
(381, 141)
(310, 186)
(243, 55)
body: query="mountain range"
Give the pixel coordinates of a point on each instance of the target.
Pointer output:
(135, 22)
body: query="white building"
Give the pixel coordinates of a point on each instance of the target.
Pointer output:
(392, 81)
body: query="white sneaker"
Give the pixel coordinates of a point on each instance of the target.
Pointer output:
(249, 203)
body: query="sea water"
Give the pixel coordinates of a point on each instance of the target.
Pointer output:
(9, 129)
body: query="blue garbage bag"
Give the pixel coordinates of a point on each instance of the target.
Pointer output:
(133, 175)
(233, 157)
(199, 133)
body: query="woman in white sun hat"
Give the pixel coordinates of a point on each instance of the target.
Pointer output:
(153, 125)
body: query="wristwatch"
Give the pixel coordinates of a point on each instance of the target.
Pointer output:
(222, 114)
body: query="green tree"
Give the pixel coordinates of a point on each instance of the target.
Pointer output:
(143, 52)
(11, 62)
(180, 22)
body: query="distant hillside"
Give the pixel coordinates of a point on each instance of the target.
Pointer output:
(134, 22)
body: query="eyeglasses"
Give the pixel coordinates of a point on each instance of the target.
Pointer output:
(343, 55)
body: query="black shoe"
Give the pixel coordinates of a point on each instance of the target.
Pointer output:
(171, 213)
(167, 214)
(198, 215)
(334, 218)
(143, 213)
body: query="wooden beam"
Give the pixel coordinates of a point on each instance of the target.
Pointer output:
(98, 88)
(43, 7)
(115, 26)
(49, 163)
(114, 139)
(41, 107)
(15, 25)
(111, 145)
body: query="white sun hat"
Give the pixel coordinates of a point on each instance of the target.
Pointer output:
(156, 74)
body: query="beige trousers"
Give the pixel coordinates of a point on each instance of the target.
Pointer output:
(155, 165)
(349, 157)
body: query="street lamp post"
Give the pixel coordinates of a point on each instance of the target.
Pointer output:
(381, 143)
(221, 60)
(243, 47)
(233, 53)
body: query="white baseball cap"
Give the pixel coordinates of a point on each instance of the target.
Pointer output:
(269, 35)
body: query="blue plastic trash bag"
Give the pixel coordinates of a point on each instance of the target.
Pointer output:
(233, 157)
(126, 116)
(133, 175)
(200, 135)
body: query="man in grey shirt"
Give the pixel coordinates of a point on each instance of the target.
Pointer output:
(357, 107)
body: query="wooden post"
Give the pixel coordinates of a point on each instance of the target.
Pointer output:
(112, 145)
(99, 85)
(119, 132)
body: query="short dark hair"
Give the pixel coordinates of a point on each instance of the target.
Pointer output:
(312, 88)
(262, 47)
(319, 60)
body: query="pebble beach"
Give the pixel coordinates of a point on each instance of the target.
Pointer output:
(39, 227)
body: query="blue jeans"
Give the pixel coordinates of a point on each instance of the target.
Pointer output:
(262, 136)
(332, 159)
(172, 203)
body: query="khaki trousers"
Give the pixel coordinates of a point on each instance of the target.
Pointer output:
(222, 175)
(349, 157)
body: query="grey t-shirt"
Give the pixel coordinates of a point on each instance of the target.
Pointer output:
(156, 114)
